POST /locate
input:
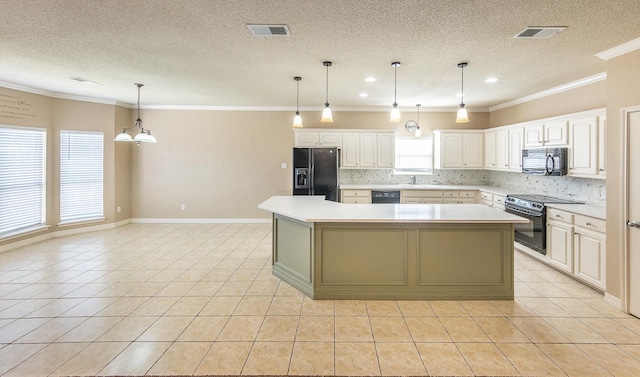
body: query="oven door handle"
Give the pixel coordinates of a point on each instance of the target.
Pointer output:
(518, 211)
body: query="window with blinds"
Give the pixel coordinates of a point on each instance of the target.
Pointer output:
(414, 155)
(23, 179)
(81, 176)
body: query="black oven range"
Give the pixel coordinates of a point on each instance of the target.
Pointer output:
(532, 207)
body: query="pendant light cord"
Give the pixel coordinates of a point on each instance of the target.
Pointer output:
(395, 85)
(326, 102)
(462, 87)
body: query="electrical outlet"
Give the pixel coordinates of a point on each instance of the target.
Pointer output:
(183, 207)
(119, 209)
(283, 165)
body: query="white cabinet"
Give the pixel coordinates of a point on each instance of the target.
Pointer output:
(560, 239)
(458, 149)
(307, 139)
(516, 144)
(386, 150)
(472, 152)
(589, 243)
(330, 139)
(583, 154)
(546, 134)
(368, 150)
(318, 138)
(490, 150)
(502, 150)
(356, 196)
(492, 200)
(577, 244)
(459, 197)
(602, 126)
(587, 152)
(350, 153)
(420, 197)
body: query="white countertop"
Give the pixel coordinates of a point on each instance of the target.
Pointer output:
(315, 209)
(406, 186)
(582, 209)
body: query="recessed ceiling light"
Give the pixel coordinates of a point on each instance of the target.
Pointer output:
(491, 79)
(85, 81)
(364, 95)
(371, 79)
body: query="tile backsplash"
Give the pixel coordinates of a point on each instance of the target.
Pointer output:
(591, 191)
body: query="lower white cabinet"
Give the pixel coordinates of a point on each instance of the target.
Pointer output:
(492, 200)
(356, 196)
(576, 244)
(420, 197)
(560, 245)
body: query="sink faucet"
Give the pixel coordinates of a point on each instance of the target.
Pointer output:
(413, 179)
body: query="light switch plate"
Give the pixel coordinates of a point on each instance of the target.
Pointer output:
(283, 165)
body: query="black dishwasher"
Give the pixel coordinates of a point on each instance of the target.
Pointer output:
(378, 196)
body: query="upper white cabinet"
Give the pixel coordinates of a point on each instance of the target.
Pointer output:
(330, 139)
(458, 149)
(602, 125)
(516, 144)
(307, 139)
(546, 134)
(315, 138)
(350, 153)
(386, 150)
(586, 155)
(502, 150)
(490, 150)
(368, 150)
(583, 157)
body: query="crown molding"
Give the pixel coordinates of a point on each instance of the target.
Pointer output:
(545, 93)
(27, 89)
(622, 49)
(292, 108)
(85, 99)
(229, 108)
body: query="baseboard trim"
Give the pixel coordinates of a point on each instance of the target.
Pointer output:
(612, 300)
(148, 220)
(85, 229)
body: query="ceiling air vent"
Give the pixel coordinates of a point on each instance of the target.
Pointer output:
(269, 30)
(540, 32)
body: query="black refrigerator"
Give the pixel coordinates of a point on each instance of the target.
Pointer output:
(316, 172)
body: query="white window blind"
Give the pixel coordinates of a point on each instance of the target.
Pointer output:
(414, 155)
(81, 175)
(22, 179)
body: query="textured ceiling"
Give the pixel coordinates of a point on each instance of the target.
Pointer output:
(200, 52)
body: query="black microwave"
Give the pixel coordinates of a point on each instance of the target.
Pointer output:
(545, 161)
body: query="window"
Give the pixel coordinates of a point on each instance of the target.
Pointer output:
(81, 178)
(23, 176)
(414, 155)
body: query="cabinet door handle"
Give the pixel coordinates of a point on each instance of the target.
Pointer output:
(600, 169)
(558, 216)
(633, 224)
(588, 223)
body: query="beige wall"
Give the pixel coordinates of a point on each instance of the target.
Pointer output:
(122, 165)
(222, 164)
(588, 97)
(623, 81)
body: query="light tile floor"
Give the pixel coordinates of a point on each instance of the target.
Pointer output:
(200, 299)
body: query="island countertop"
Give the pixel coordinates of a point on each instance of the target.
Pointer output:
(314, 209)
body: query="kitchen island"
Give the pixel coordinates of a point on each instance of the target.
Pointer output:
(330, 250)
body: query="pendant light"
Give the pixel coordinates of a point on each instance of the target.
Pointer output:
(326, 112)
(143, 135)
(395, 112)
(413, 126)
(462, 117)
(297, 120)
